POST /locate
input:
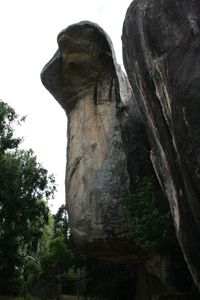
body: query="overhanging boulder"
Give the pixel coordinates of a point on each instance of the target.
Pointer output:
(104, 131)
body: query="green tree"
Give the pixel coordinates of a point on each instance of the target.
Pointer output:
(24, 187)
(149, 222)
(150, 226)
(8, 118)
(56, 260)
(55, 270)
(51, 271)
(61, 227)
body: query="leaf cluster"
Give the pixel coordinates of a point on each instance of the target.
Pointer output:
(150, 226)
(8, 119)
(55, 267)
(149, 222)
(25, 186)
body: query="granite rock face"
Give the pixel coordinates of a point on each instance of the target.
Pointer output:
(161, 48)
(103, 123)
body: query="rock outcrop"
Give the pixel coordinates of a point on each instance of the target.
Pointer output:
(104, 131)
(161, 46)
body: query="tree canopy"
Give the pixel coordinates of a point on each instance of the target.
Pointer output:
(24, 187)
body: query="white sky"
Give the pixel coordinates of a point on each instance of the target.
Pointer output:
(28, 33)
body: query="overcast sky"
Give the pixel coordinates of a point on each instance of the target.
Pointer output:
(28, 32)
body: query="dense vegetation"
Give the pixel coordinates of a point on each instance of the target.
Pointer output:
(150, 226)
(55, 264)
(149, 222)
(61, 269)
(25, 186)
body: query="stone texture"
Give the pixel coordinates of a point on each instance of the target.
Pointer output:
(161, 46)
(104, 131)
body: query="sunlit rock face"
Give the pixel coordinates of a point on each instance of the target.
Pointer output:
(85, 79)
(161, 46)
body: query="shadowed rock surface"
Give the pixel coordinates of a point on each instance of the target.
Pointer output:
(161, 46)
(104, 131)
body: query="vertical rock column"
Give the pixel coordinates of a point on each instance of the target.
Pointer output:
(161, 46)
(85, 79)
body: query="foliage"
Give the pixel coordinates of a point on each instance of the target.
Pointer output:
(150, 226)
(44, 278)
(24, 187)
(109, 280)
(61, 227)
(149, 222)
(8, 118)
(56, 260)
(55, 268)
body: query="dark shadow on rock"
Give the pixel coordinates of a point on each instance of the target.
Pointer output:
(161, 48)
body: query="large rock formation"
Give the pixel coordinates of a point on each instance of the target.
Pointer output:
(104, 130)
(161, 45)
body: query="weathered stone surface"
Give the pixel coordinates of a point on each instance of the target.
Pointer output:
(85, 79)
(161, 45)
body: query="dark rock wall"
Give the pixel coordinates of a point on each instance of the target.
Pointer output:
(161, 49)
